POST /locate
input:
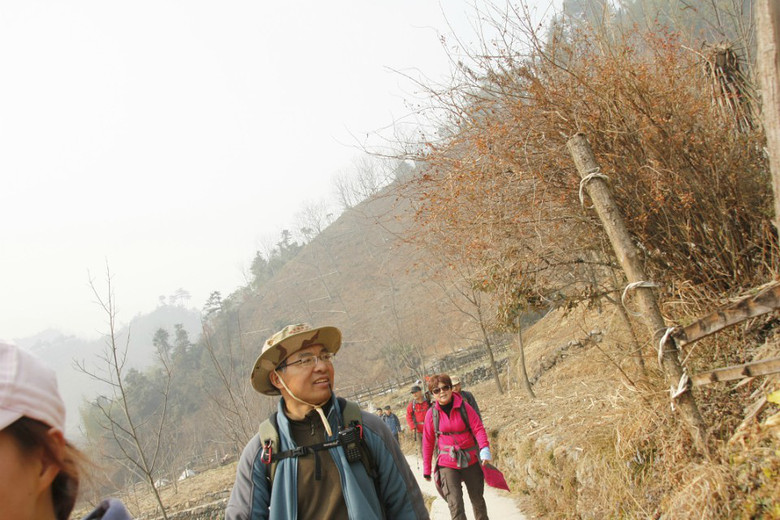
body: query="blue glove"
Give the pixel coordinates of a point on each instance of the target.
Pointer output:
(484, 454)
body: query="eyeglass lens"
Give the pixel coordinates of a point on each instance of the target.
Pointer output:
(441, 388)
(310, 359)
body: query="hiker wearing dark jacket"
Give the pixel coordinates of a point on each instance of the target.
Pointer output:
(454, 446)
(392, 422)
(315, 472)
(466, 395)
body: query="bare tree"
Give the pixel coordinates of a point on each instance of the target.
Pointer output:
(465, 296)
(313, 218)
(366, 178)
(521, 363)
(140, 453)
(232, 401)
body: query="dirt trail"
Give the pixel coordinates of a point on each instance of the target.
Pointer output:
(500, 504)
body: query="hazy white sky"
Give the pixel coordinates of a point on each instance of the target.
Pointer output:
(171, 138)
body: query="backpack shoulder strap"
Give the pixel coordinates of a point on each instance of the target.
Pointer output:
(353, 416)
(269, 437)
(464, 414)
(350, 411)
(435, 417)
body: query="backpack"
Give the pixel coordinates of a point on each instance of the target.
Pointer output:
(351, 415)
(414, 415)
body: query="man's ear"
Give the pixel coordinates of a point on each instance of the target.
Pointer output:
(274, 378)
(51, 459)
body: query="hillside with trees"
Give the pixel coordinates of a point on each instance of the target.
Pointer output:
(494, 226)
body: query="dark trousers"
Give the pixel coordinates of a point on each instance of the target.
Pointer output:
(472, 476)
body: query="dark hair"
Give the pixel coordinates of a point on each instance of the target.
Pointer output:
(30, 434)
(434, 381)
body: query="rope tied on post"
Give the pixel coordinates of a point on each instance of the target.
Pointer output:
(631, 287)
(593, 174)
(682, 387)
(664, 339)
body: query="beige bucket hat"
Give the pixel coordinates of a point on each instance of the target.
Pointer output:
(286, 342)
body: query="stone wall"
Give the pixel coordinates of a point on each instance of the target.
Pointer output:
(211, 511)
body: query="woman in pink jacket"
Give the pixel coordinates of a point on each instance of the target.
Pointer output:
(460, 446)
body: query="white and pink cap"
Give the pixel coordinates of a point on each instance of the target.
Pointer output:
(28, 388)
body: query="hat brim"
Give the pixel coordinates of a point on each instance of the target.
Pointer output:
(8, 417)
(272, 356)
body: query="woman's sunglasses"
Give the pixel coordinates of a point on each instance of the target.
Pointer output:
(441, 388)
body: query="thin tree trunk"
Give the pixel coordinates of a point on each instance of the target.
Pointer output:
(523, 371)
(489, 348)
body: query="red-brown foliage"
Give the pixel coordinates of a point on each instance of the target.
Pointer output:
(693, 187)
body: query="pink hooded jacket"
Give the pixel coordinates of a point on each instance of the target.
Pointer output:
(453, 423)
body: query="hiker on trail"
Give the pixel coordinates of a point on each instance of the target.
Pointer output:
(415, 412)
(465, 394)
(39, 468)
(318, 456)
(424, 385)
(454, 446)
(392, 422)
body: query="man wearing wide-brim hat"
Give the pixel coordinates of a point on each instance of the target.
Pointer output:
(315, 473)
(465, 394)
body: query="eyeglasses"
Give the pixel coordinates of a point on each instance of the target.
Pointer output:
(309, 360)
(445, 388)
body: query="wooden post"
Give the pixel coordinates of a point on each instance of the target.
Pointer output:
(632, 265)
(732, 373)
(768, 47)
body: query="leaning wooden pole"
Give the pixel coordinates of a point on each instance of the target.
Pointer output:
(632, 265)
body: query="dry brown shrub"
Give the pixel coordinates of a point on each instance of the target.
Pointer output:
(692, 186)
(753, 459)
(703, 493)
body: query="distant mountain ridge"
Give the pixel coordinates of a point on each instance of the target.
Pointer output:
(61, 352)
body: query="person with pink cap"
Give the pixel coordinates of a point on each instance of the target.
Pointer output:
(39, 469)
